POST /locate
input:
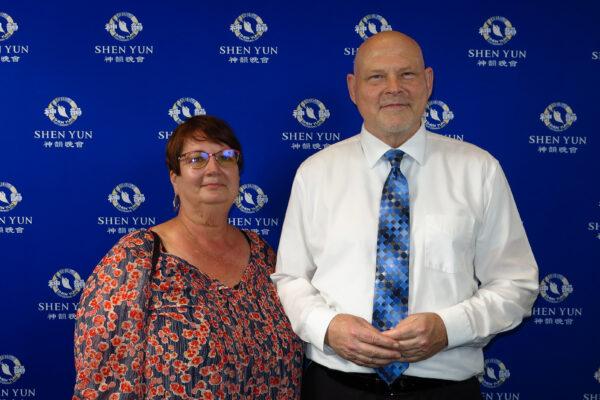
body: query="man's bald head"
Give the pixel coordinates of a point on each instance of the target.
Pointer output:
(390, 40)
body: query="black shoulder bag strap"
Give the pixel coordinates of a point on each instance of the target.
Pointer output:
(155, 250)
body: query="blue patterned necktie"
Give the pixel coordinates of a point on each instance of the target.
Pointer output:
(390, 303)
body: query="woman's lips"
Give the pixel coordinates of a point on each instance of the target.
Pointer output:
(212, 185)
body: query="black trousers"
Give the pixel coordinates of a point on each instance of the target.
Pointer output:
(320, 383)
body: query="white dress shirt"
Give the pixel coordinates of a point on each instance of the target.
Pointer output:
(470, 260)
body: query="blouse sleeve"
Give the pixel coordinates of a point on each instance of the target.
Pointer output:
(267, 257)
(270, 258)
(110, 332)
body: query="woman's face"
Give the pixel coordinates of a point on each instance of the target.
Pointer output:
(209, 185)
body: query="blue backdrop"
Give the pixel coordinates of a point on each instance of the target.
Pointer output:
(91, 91)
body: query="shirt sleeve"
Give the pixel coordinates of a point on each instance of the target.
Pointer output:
(504, 266)
(110, 332)
(306, 308)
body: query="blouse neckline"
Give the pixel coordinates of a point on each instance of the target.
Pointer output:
(213, 282)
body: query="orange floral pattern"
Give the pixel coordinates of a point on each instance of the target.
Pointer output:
(174, 333)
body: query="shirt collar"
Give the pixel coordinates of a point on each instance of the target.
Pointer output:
(373, 148)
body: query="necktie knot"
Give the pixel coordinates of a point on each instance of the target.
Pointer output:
(394, 156)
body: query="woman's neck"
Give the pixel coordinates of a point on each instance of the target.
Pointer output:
(209, 222)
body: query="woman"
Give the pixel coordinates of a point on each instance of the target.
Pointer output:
(187, 310)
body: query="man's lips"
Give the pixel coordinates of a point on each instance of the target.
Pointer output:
(394, 105)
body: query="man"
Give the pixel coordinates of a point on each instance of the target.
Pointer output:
(458, 245)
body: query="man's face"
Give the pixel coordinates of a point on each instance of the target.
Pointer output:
(390, 86)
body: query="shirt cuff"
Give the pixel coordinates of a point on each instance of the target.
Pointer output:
(317, 323)
(458, 325)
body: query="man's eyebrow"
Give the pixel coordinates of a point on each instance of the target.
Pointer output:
(380, 70)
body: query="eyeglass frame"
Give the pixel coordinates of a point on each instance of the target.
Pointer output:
(184, 157)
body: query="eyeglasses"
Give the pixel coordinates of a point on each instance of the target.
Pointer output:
(199, 159)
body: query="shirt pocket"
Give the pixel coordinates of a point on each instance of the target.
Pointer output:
(449, 243)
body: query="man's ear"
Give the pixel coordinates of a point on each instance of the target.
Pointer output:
(351, 81)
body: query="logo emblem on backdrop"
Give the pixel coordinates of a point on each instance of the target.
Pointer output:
(66, 283)
(437, 114)
(63, 111)
(123, 26)
(185, 108)
(554, 288)
(371, 25)
(597, 375)
(251, 198)
(11, 369)
(558, 117)
(248, 27)
(494, 373)
(497, 30)
(9, 197)
(311, 113)
(126, 197)
(7, 26)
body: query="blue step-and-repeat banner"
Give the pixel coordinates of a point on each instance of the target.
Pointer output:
(90, 92)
